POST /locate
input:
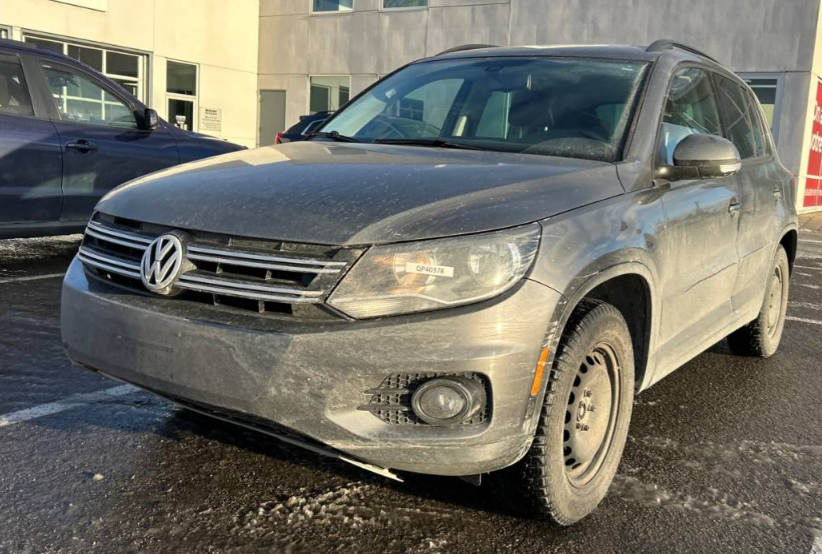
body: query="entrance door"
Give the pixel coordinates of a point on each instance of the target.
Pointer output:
(272, 115)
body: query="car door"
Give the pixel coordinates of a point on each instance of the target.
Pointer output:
(697, 246)
(103, 144)
(30, 157)
(760, 188)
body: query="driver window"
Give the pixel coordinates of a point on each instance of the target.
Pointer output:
(80, 100)
(690, 109)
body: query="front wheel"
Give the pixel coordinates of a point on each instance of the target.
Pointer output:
(584, 421)
(761, 337)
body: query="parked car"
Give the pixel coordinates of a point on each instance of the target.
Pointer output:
(303, 128)
(68, 135)
(469, 270)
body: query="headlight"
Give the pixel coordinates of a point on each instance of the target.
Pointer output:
(426, 275)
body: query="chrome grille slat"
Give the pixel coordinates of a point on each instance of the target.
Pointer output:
(243, 285)
(131, 237)
(111, 260)
(243, 262)
(121, 242)
(241, 294)
(107, 266)
(241, 273)
(263, 257)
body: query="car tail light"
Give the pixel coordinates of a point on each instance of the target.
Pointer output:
(278, 138)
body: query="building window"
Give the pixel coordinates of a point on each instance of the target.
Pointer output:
(5, 32)
(181, 94)
(768, 90)
(332, 5)
(127, 69)
(328, 93)
(393, 4)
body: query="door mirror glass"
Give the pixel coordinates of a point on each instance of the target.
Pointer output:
(150, 120)
(704, 157)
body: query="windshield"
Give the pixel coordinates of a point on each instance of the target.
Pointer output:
(572, 107)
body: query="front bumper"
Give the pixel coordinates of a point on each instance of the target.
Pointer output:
(310, 377)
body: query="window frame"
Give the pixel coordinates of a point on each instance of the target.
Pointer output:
(311, 10)
(382, 7)
(8, 30)
(780, 89)
(308, 91)
(657, 163)
(194, 98)
(61, 66)
(15, 59)
(143, 60)
(748, 95)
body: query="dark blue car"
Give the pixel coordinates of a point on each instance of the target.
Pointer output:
(68, 135)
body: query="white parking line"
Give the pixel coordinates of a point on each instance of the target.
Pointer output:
(803, 320)
(808, 240)
(817, 546)
(808, 267)
(31, 278)
(64, 404)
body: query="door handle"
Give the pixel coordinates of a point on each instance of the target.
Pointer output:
(82, 145)
(734, 208)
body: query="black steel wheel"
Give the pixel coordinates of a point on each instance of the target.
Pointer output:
(584, 421)
(761, 337)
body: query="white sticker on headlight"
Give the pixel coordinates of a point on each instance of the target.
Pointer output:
(435, 270)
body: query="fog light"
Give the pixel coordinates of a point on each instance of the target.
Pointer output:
(448, 401)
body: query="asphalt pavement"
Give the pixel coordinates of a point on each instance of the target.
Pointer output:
(724, 455)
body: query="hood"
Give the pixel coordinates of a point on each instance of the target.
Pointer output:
(359, 194)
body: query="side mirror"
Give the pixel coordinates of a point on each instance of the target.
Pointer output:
(705, 157)
(150, 120)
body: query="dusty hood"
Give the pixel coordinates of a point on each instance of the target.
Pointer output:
(334, 193)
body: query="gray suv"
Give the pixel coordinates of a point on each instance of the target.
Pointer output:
(469, 270)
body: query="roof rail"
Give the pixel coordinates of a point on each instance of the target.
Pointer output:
(467, 47)
(665, 44)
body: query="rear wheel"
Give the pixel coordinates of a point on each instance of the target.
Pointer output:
(583, 424)
(761, 337)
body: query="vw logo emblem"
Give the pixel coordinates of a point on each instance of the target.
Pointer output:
(162, 262)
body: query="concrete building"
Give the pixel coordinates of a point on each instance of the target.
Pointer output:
(318, 53)
(190, 58)
(244, 70)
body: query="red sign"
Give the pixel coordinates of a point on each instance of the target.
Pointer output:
(813, 181)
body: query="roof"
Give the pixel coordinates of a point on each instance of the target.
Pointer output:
(31, 48)
(617, 52)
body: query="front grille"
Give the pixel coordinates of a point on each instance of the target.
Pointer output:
(254, 275)
(391, 401)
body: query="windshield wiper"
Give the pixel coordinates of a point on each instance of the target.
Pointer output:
(432, 142)
(333, 135)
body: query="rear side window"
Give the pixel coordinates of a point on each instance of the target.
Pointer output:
(14, 94)
(690, 109)
(739, 113)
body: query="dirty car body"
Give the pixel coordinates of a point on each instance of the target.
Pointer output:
(280, 311)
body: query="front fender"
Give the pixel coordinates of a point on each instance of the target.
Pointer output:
(585, 248)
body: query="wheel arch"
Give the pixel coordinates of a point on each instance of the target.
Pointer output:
(630, 288)
(790, 242)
